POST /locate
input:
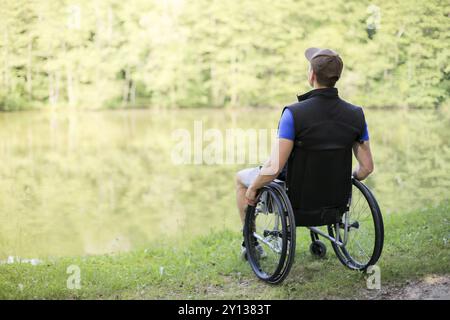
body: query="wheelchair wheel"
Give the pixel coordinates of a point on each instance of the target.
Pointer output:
(365, 230)
(318, 249)
(271, 225)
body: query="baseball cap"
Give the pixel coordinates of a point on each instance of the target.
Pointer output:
(330, 66)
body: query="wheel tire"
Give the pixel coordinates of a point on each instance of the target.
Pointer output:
(280, 201)
(341, 252)
(318, 249)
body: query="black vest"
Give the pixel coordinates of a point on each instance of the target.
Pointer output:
(320, 166)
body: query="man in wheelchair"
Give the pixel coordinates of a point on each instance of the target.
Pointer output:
(316, 137)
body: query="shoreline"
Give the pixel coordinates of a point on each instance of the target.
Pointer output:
(209, 268)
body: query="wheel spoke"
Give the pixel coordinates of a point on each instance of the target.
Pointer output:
(267, 242)
(271, 259)
(361, 242)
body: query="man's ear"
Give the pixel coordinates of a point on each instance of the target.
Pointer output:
(311, 77)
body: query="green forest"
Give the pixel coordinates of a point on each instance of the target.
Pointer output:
(210, 53)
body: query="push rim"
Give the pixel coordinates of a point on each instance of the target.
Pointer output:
(365, 234)
(271, 224)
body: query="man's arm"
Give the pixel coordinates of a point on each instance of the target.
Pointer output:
(365, 162)
(271, 168)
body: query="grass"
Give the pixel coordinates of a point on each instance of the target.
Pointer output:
(416, 244)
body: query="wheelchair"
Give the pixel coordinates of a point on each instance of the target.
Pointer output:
(356, 234)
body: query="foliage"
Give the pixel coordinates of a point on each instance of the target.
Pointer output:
(197, 53)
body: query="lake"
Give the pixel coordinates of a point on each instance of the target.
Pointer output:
(93, 182)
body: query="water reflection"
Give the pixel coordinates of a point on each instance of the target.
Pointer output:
(97, 182)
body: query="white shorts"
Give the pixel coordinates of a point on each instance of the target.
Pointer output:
(247, 176)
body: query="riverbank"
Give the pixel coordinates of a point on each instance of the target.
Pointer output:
(416, 245)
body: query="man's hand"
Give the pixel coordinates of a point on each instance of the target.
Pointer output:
(250, 196)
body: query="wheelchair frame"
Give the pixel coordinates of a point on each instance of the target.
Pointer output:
(337, 242)
(316, 230)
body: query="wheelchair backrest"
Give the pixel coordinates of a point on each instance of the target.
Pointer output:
(320, 166)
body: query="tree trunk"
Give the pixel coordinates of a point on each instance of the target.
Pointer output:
(69, 84)
(29, 68)
(6, 77)
(126, 88)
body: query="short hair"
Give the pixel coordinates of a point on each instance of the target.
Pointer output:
(327, 69)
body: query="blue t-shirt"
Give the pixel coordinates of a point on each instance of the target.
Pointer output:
(286, 129)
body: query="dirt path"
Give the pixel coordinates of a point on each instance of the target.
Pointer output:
(431, 287)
